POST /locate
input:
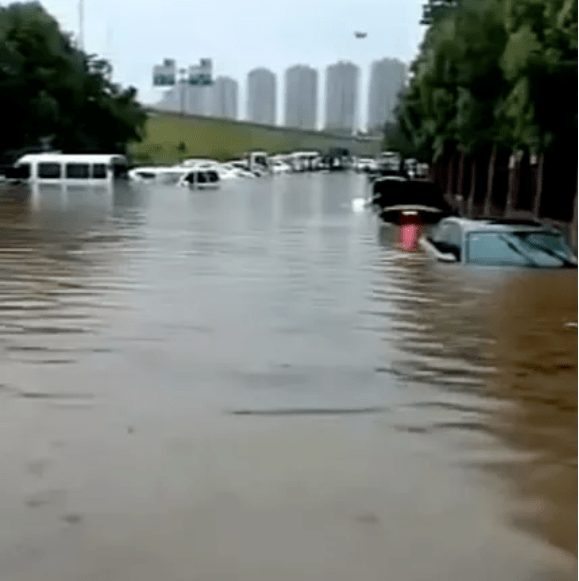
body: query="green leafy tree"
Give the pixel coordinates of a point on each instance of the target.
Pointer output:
(48, 87)
(540, 64)
(493, 72)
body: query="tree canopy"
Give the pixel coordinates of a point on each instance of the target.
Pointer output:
(493, 72)
(49, 88)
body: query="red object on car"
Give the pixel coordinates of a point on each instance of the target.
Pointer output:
(410, 230)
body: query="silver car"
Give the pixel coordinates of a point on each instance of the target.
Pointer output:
(506, 243)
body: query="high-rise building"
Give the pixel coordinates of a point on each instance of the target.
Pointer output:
(194, 100)
(170, 101)
(224, 97)
(342, 97)
(301, 97)
(261, 92)
(198, 100)
(387, 79)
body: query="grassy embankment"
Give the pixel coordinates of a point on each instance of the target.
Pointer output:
(221, 139)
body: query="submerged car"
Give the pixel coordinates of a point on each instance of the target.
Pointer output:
(506, 243)
(394, 194)
(200, 179)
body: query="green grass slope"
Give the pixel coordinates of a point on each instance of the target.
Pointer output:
(222, 139)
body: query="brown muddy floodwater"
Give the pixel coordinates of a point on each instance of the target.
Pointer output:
(257, 384)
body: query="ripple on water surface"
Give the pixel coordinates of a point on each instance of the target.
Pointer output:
(271, 305)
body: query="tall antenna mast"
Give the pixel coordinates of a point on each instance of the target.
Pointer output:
(109, 42)
(81, 23)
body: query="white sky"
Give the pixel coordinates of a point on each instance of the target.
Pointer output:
(242, 34)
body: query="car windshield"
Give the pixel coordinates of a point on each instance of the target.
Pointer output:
(525, 248)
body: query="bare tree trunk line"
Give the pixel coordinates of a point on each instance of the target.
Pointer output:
(490, 181)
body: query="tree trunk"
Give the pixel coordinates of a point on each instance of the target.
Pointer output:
(539, 188)
(450, 176)
(459, 193)
(514, 180)
(490, 182)
(574, 224)
(472, 190)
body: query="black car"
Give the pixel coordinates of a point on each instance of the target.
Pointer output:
(394, 194)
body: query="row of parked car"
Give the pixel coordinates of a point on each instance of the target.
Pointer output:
(372, 166)
(206, 173)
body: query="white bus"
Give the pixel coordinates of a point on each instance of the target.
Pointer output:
(79, 168)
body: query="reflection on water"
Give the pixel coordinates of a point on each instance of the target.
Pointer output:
(270, 300)
(535, 326)
(514, 338)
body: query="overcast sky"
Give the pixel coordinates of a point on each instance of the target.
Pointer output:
(242, 34)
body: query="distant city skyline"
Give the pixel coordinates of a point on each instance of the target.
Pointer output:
(367, 105)
(241, 36)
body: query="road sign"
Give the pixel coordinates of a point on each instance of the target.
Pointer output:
(201, 74)
(164, 75)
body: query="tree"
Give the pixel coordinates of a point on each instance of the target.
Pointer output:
(435, 9)
(493, 72)
(396, 140)
(48, 87)
(451, 98)
(540, 63)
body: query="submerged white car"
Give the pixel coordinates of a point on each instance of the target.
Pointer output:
(278, 167)
(157, 174)
(200, 179)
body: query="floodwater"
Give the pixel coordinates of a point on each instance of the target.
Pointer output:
(256, 384)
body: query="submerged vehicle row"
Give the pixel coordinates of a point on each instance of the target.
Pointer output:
(515, 243)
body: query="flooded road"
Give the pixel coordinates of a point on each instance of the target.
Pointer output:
(257, 384)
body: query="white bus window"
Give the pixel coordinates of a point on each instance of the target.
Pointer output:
(49, 170)
(99, 171)
(77, 171)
